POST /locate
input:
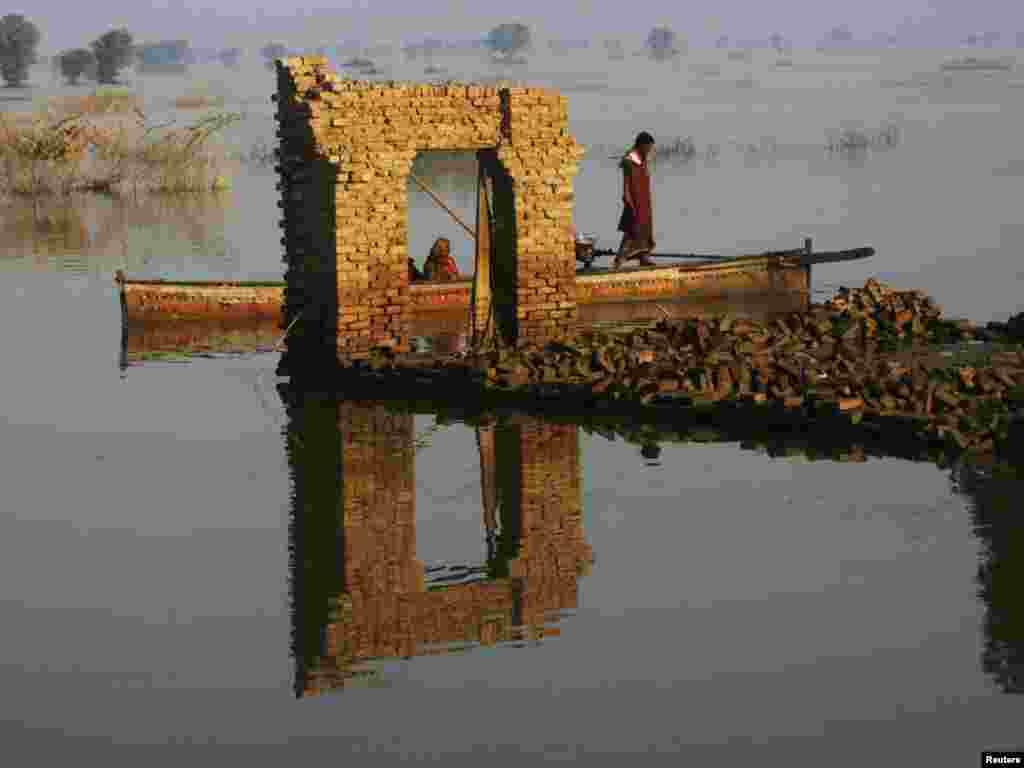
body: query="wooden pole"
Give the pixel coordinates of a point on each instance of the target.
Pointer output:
(488, 470)
(807, 271)
(440, 202)
(481, 298)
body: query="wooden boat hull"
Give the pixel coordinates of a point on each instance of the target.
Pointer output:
(745, 278)
(156, 338)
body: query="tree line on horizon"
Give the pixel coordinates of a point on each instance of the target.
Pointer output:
(103, 58)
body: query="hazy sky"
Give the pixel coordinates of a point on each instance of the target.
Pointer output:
(298, 24)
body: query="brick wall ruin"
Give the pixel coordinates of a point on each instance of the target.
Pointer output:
(346, 151)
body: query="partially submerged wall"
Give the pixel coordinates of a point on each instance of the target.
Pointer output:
(347, 148)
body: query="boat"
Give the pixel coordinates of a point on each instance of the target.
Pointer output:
(680, 277)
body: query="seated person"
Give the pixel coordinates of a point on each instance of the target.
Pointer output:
(440, 265)
(414, 273)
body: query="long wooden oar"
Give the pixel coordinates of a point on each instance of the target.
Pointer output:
(699, 256)
(806, 258)
(440, 202)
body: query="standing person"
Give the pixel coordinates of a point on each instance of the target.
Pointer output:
(637, 221)
(440, 265)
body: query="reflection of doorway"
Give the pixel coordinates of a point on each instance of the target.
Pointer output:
(360, 592)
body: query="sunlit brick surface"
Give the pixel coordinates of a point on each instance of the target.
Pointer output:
(347, 148)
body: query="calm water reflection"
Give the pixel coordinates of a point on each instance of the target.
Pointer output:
(148, 235)
(360, 593)
(739, 599)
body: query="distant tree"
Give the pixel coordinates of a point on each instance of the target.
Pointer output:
(113, 51)
(75, 63)
(661, 43)
(19, 38)
(230, 57)
(841, 34)
(164, 56)
(615, 50)
(508, 39)
(271, 52)
(200, 55)
(426, 48)
(386, 50)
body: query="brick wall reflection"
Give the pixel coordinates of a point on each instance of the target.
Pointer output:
(382, 606)
(552, 550)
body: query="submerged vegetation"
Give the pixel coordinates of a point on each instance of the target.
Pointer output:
(90, 146)
(199, 97)
(679, 148)
(105, 100)
(260, 154)
(662, 43)
(847, 139)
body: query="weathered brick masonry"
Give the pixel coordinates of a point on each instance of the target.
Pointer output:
(384, 608)
(347, 148)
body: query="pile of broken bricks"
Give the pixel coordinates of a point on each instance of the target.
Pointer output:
(865, 352)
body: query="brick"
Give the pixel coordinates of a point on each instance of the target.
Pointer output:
(372, 132)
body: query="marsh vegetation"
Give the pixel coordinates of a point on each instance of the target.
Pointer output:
(105, 143)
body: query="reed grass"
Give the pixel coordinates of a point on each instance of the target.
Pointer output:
(105, 100)
(198, 101)
(682, 148)
(259, 154)
(678, 149)
(847, 139)
(57, 153)
(199, 98)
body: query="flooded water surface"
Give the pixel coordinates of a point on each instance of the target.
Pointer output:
(198, 554)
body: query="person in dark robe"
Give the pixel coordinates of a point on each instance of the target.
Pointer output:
(414, 273)
(440, 265)
(637, 221)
